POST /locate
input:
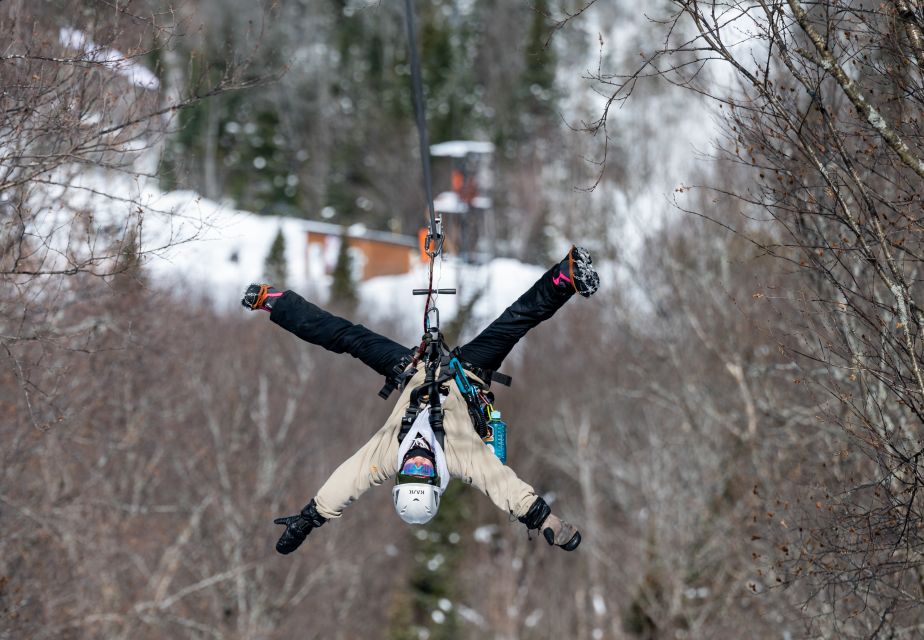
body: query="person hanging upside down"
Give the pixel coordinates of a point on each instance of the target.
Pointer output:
(422, 466)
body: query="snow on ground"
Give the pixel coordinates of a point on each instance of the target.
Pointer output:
(190, 241)
(226, 250)
(113, 59)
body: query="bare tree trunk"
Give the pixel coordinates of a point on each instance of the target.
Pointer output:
(907, 14)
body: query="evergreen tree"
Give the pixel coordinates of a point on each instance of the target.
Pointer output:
(275, 266)
(343, 292)
(538, 88)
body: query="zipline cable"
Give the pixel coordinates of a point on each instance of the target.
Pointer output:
(419, 113)
(434, 242)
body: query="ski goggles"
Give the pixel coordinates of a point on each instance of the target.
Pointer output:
(418, 471)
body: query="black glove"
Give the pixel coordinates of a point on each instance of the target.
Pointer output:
(555, 530)
(560, 533)
(297, 528)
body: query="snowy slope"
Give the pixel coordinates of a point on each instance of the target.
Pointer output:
(228, 249)
(190, 241)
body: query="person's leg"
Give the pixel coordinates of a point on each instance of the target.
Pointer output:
(549, 293)
(317, 326)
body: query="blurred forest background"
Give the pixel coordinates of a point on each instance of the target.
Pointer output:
(737, 423)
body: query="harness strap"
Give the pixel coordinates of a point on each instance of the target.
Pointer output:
(432, 388)
(407, 421)
(436, 418)
(401, 373)
(488, 375)
(413, 409)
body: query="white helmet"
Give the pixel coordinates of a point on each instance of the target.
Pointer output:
(416, 502)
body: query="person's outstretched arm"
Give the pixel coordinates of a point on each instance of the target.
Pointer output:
(372, 465)
(317, 326)
(550, 292)
(474, 462)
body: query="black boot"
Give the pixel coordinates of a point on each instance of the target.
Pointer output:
(260, 296)
(576, 272)
(298, 527)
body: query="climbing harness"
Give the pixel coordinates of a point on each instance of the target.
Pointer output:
(478, 397)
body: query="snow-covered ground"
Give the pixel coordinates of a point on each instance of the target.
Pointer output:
(190, 241)
(113, 59)
(224, 249)
(227, 247)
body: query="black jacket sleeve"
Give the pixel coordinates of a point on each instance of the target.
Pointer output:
(315, 325)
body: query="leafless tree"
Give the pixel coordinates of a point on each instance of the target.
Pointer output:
(820, 110)
(84, 114)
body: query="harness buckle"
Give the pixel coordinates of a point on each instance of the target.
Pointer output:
(401, 375)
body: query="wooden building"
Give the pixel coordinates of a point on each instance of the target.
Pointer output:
(372, 253)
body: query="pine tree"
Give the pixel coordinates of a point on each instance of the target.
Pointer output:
(343, 292)
(275, 266)
(539, 74)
